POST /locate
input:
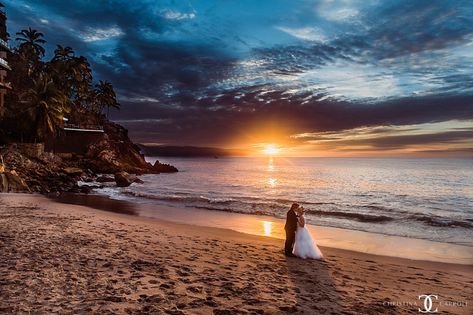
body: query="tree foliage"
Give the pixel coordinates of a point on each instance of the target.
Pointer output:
(46, 91)
(47, 106)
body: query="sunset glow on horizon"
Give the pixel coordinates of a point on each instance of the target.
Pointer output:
(271, 149)
(437, 139)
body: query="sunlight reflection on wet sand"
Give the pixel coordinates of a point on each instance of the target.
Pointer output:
(267, 228)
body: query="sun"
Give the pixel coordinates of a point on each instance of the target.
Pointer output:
(271, 149)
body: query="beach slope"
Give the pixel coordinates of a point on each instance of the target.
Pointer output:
(60, 258)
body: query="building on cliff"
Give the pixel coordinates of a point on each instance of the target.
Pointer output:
(4, 67)
(75, 138)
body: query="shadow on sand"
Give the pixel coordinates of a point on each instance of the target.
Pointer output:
(316, 292)
(323, 288)
(97, 202)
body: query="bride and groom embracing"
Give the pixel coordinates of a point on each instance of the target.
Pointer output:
(299, 242)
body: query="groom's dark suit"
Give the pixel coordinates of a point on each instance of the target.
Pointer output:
(290, 227)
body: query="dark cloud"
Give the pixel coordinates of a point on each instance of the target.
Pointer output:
(466, 152)
(402, 141)
(207, 72)
(199, 123)
(420, 25)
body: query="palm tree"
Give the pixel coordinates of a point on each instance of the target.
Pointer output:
(81, 80)
(105, 96)
(31, 40)
(63, 53)
(71, 74)
(30, 51)
(47, 105)
(81, 70)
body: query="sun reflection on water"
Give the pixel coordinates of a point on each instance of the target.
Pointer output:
(271, 181)
(270, 165)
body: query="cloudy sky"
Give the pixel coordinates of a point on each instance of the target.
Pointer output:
(316, 77)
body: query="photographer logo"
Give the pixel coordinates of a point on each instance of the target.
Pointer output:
(428, 303)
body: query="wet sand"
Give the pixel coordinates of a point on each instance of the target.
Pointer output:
(358, 241)
(62, 258)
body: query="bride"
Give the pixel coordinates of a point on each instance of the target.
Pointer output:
(305, 246)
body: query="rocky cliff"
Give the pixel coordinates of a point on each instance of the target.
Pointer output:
(22, 171)
(117, 153)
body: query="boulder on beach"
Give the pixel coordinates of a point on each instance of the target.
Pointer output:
(138, 181)
(123, 179)
(85, 189)
(105, 179)
(73, 171)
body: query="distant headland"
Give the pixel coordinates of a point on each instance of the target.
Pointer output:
(188, 151)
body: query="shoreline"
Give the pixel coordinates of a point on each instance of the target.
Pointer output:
(352, 240)
(71, 258)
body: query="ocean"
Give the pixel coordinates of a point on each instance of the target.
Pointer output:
(419, 198)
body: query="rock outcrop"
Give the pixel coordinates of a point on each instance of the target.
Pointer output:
(116, 153)
(22, 173)
(163, 168)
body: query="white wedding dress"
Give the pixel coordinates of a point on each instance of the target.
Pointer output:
(305, 246)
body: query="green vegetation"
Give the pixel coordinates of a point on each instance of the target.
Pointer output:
(46, 91)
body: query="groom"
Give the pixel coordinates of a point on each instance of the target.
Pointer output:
(290, 227)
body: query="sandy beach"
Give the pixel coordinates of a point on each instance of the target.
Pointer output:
(70, 259)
